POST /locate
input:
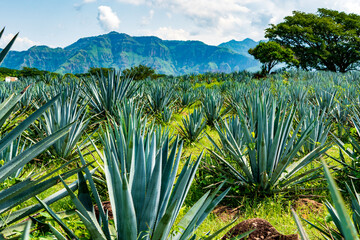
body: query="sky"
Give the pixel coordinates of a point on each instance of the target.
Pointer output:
(59, 23)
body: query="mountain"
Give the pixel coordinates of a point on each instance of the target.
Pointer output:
(120, 51)
(240, 47)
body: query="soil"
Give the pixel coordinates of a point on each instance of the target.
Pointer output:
(264, 231)
(308, 203)
(107, 208)
(304, 206)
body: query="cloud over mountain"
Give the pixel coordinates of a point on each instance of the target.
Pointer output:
(108, 19)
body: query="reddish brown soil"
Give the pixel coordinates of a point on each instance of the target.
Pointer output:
(107, 207)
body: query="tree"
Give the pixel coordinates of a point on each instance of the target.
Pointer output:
(141, 72)
(100, 71)
(271, 53)
(328, 40)
(31, 72)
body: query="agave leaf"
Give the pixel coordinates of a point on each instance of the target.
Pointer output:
(94, 229)
(103, 217)
(151, 203)
(162, 229)
(56, 233)
(243, 235)
(325, 234)
(26, 233)
(169, 170)
(28, 192)
(20, 160)
(7, 106)
(215, 234)
(5, 51)
(8, 138)
(87, 217)
(203, 212)
(17, 215)
(347, 227)
(138, 189)
(301, 229)
(57, 219)
(121, 201)
(84, 194)
(190, 215)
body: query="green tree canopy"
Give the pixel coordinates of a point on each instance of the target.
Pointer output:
(141, 72)
(100, 71)
(271, 53)
(328, 40)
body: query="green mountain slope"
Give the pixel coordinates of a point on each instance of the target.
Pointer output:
(240, 47)
(122, 51)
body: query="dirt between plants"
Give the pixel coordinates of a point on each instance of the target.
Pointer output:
(308, 205)
(107, 208)
(264, 231)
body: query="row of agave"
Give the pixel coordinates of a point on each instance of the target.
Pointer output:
(263, 141)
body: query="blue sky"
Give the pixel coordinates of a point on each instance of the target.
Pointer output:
(58, 23)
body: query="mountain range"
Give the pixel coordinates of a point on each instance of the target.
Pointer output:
(120, 51)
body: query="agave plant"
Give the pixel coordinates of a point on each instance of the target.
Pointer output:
(342, 113)
(321, 130)
(261, 152)
(211, 107)
(159, 97)
(33, 185)
(130, 116)
(193, 126)
(354, 151)
(185, 86)
(166, 114)
(325, 98)
(105, 92)
(29, 187)
(344, 227)
(187, 98)
(298, 94)
(69, 109)
(145, 192)
(236, 96)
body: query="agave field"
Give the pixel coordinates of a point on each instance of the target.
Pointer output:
(162, 154)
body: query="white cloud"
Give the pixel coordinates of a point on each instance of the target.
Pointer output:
(21, 43)
(78, 6)
(147, 19)
(136, 2)
(168, 33)
(108, 19)
(215, 21)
